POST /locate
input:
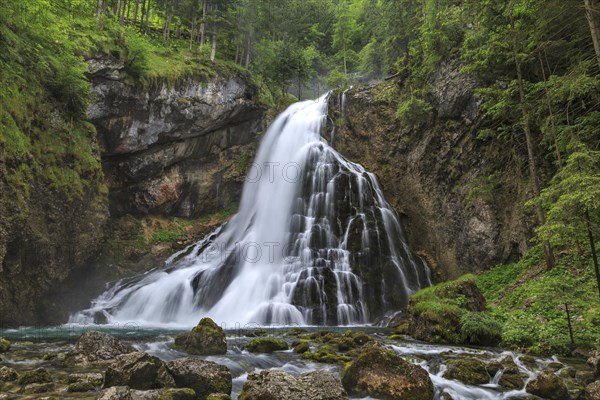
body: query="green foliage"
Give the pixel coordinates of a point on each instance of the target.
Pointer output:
(530, 303)
(480, 328)
(413, 112)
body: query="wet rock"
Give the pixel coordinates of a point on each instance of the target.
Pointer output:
(493, 367)
(218, 396)
(39, 375)
(96, 347)
(37, 388)
(116, 393)
(95, 379)
(164, 394)
(549, 386)
(585, 376)
(575, 387)
(592, 391)
(279, 385)
(567, 372)
(302, 347)
(4, 345)
(207, 338)
(83, 386)
(326, 354)
(266, 345)
(205, 377)
(381, 373)
(594, 362)
(469, 371)
(8, 374)
(554, 366)
(138, 371)
(512, 379)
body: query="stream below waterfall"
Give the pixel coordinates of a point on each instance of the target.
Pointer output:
(38, 347)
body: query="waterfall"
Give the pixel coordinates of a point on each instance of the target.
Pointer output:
(314, 243)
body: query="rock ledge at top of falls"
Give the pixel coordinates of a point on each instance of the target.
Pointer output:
(207, 338)
(173, 148)
(381, 373)
(279, 385)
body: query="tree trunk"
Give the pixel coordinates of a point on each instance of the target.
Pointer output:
(143, 15)
(135, 11)
(213, 51)
(148, 10)
(98, 10)
(590, 14)
(533, 173)
(117, 10)
(588, 225)
(128, 9)
(203, 24)
(167, 28)
(247, 50)
(192, 30)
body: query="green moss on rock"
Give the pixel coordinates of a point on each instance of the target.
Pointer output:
(266, 345)
(469, 371)
(207, 338)
(379, 372)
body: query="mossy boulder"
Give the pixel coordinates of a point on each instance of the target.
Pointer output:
(379, 372)
(279, 385)
(83, 386)
(4, 345)
(96, 348)
(468, 370)
(302, 347)
(205, 377)
(116, 393)
(592, 391)
(512, 379)
(164, 394)
(206, 338)
(451, 312)
(266, 345)
(34, 388)
(138, 371)
(8, 374)
(39, 375)
(326, 354)
(218, 396)
(548, 386)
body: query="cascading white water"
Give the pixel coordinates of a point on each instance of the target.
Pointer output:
(314, 242)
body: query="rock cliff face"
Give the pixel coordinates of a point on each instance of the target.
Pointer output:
(176, 149)
(458, 207)
(173, 149)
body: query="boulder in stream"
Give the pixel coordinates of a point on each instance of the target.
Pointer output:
(379, 372)
(4, 345)
(39, 375)
(138, 371)
(266, 345)
(467, 370)
(205, 377)
(592, 391)
(279, 385)
(548, 386)
(8, 374)
(96, 347)
(206, 338)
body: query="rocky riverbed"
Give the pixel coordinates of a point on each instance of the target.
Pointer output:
(278, 363)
